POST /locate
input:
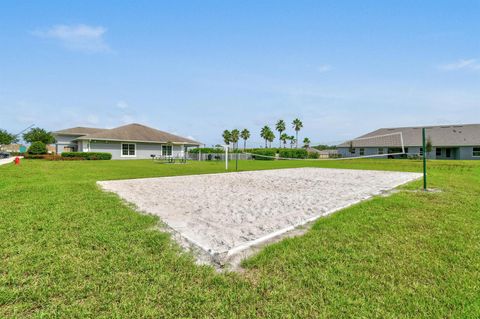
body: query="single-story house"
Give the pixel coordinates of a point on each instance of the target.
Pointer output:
(132, 141)
(448, 142)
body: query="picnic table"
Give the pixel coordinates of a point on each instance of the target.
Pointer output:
(169, 159)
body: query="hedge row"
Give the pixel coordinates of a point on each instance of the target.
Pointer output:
(87, 155)
(270, 152)
(293, 153)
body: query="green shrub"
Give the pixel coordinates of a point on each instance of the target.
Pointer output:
(37, 148)
(35, 156)
(87, 155)
(271, 152)
(17, 154)
(313, 155)
(293, 153)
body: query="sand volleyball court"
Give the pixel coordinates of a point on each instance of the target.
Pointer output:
(225, 215)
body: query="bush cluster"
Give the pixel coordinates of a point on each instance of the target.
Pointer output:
(263, 151)
(17, 154)
(37, 148)
(87, 155)
(313, 155)
(293, 153)
(35, 156)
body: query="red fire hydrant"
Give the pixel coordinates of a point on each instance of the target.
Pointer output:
(17, 160)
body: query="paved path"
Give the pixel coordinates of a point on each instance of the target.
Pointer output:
(8, 160)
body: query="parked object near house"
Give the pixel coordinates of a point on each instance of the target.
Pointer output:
(448, 142)
(132, 141)
(13, 148)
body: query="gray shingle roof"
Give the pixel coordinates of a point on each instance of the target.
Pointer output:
(137, 133)
(444, 135)
(79, 130)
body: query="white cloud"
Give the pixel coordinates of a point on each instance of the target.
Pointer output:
(469, 64)
(122, 105)
(80, 37)
(324, 68)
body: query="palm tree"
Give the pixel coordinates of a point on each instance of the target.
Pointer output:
(280, 127)
(284, 137)
(306, 142)
(297, 126)
(264, 134)
(227, 137)
(292, 141)
(234, 137)
(245, 135)
(270, 137)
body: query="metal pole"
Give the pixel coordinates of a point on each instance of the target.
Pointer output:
(226, 157)
(236, 160)
(424, 160)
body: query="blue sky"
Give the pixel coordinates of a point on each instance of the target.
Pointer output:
(196, 68)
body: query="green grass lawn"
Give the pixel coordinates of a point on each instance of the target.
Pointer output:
(69, 250)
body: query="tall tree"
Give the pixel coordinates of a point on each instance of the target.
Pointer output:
(7, 138)
(306, 142)
(292, 141)
(284, 137)
(264, 133)
(270, 137)
(227, 136)
(245, 135)
(37, 134)
(297, 126)
(280, 127)
(234, 137)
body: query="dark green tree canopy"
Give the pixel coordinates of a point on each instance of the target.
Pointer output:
(7, 138)
(37, 148)
(37, 134)
(227, 137)
(234, 136)
(306, 142)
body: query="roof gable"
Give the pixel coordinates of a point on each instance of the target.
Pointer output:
(79, 130)
(137, 133)
(443, 135)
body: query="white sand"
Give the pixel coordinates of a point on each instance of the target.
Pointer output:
(224, 214)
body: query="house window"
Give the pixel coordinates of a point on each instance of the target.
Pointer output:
(362, 151)
(167, 150)
(380, 150)
(421, 151)
(128, 150)
(476, 152)
(438, 151)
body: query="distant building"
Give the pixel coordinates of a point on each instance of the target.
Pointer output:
(448, 142)
(132, 141)
(16, 148)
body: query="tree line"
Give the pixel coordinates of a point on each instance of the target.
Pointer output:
(267, 134)
(37, 137)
